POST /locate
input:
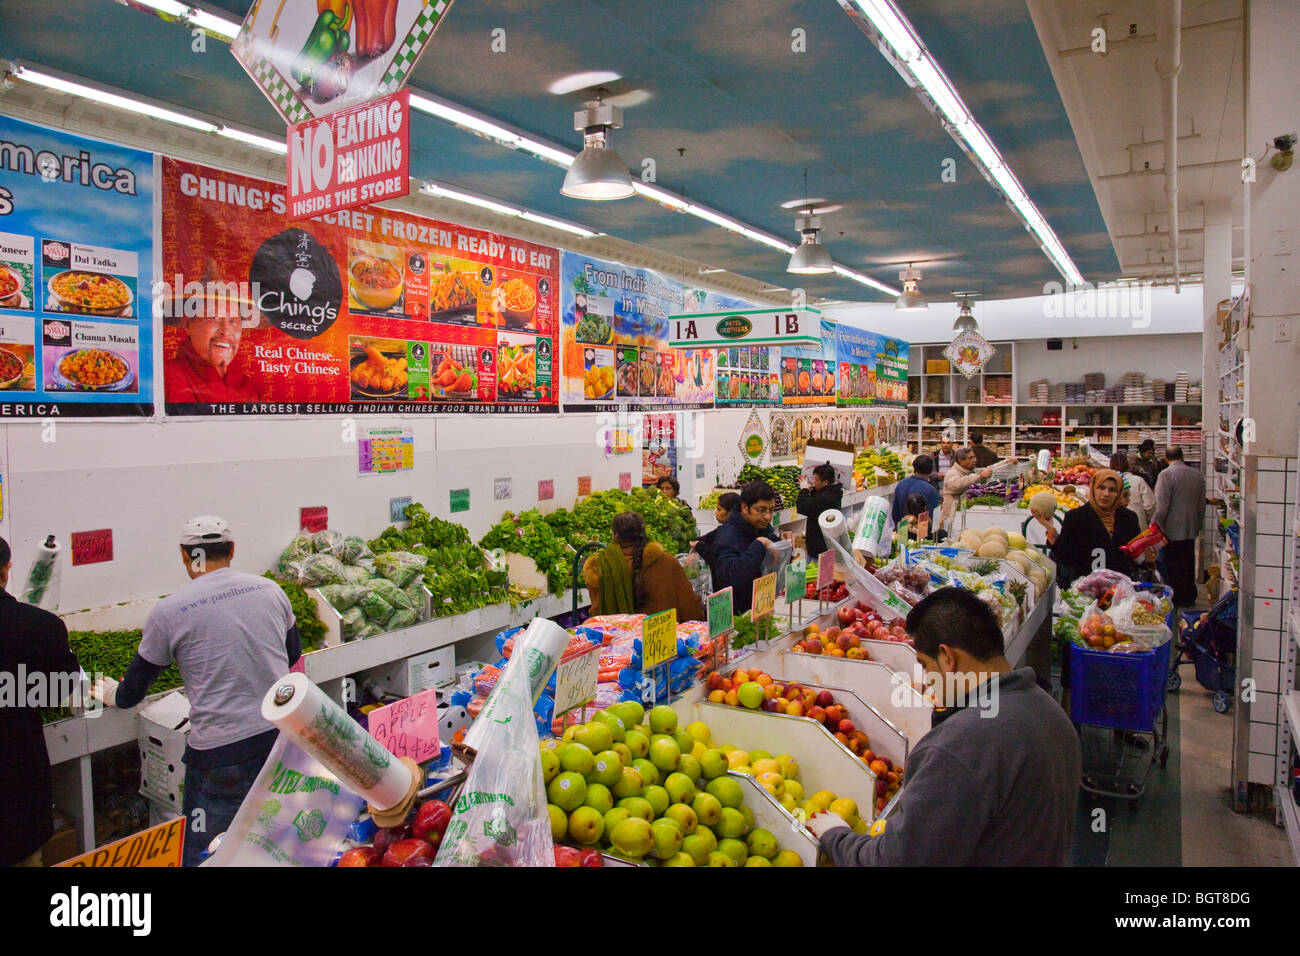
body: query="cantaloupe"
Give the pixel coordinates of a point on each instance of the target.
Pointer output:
(1017, 540)
(999, 532)
(992, 547)
(1038, 576)
(1020, 560)
(970, 538)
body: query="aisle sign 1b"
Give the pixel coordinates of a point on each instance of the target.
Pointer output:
(575, 680)
(658, 639)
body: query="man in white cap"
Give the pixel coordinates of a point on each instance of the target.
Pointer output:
(232, 635)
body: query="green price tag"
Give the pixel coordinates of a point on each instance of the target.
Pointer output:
(720, 612)
(658, 639)
(459, 500)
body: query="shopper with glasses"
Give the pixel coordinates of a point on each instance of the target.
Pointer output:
(742, 544)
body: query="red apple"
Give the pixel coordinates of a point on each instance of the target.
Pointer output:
(864, 608)
(881, 787)
(714, 681)
(833, 632)
(770, 705)
(567, 856)
(431, 821)
(846, 727)
(361, 856)
(825, 698)
(844, 616)
(387, 836)
(591, 858)
(868, 755)
(817, 713)
(855, 745)
(410, 852)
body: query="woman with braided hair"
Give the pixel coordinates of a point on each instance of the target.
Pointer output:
(633, 576)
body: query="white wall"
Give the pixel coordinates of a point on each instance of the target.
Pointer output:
(1156, 356)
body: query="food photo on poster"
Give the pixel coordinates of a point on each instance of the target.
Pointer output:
(808, 372)
(361, 310)
(873, 368)
(76, 252)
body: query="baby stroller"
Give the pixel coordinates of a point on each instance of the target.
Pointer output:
(1209, 644)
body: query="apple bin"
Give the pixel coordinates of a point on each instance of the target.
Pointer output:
(878, 685)
(826, 763)
(770, 815)
(887, 739)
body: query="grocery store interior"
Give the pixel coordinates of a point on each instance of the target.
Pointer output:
(637, 258)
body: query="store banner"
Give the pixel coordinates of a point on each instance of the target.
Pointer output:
(747, 376)
(361, 311)
(785, 326)
(808, 371)
(76, 269)
(351, 158)
(872, 367)
(614, 327)
(314, 57)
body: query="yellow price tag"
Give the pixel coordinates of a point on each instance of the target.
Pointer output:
(764, 597)
(658, 639)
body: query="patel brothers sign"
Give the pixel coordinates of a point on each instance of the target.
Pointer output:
(744, 327)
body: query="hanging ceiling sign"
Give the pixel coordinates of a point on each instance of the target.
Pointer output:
(315, 57)
(351, 158)
(969, 352)
(745, 327)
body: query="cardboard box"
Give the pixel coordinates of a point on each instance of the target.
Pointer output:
(937, 367)
(160, 812)
(421, 672)
(62, 846)
(164, 726)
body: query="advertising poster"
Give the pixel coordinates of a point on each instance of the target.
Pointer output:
(747, 375)
(367, 310)
(614, 328)
(76, 254)
(808, 374)
(873, 368)
(659, 451)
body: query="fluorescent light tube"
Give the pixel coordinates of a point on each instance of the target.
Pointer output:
(891, 26)
(939, 90)
(113, 99)
(252, 139)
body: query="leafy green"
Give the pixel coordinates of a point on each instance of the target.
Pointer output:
(110, 653)
(529, 534)
(311, 630)
(669, 522)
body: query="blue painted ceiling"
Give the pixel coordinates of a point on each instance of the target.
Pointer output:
(726, 87)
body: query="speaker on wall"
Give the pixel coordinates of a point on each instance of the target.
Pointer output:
(1054, 345)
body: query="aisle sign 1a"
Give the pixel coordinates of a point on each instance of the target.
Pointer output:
(658, 639)
(576, 679)
(720, 612)
(156, 846)
(764, 596)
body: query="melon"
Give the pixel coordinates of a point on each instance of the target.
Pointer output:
(992, 548)
(1020, 560)
(1001, 533)
(1016, 540)
(1039, 577)
(970, 538)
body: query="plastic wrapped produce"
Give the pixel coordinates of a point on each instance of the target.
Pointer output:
(353, 621)
(343, 596)
(375, 608)
(315, 570)
(355, 574)
(391, 593)
(402, 618)
(327, 542)
(355, 549)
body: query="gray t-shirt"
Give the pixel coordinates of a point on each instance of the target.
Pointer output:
(226, 632)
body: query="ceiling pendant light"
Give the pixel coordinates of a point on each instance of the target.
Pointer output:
(968, 351)
(911, 300)
(965, 317)
(598, 172)
(811, 258)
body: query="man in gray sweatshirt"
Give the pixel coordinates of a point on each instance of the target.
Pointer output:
(994, 783)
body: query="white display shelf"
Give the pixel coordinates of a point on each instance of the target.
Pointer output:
(1290, 819)
(1291, 707)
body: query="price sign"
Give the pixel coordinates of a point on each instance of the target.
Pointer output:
(625, 481)
(91, 547)
(764, 596)
(546, 489)
(397, 508)
(584, 485)
(408, 728)
(658, 639)
(825, 569)
(314, 519)
(796, 579)
(575, 680)
(156, 846)
(720, 612)
(459, 499)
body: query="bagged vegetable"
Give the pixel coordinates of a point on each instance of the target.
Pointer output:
(355, 549)
(316, 570)
(298, 549)
(327, 542)
(353, 621)
(415, 590)
(370, 630)
(390, 593)
(375, 608)
(343, 596)
(403, 618)
(355, 574)
(399, 566)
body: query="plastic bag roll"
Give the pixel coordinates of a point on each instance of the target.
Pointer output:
(536, 654)
(42, 587)
(302, 711)
(1044, 460)
(834, 527)
(873, 531)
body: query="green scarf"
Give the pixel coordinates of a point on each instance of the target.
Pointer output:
(615, 581)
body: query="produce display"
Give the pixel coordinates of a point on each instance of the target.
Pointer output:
(885, 459)
(996, 493)
(784, 480)
(748, 632)
(1064, 500)
(411, 844)
(529, 534)
(667, 521)
(311, 630)
(456, 571)
(633, 782)
(758, 690)
(1078, 471)
(710, 501)
(909, 582)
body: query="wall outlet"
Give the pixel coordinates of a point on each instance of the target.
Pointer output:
(1282, 331)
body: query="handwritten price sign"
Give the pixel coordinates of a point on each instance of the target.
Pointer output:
(658, 639)
(408, 728)
(825, 569)
(575, 681)
(720, 612)
(764, 596)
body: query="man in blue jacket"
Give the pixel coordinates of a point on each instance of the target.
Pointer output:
(742, 544)
(918, 483)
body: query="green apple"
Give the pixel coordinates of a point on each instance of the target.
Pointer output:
(550, 765)
(772, 783)
(624, 752)
(685, 742)
(607, 769)
(614, 817)
(707, 808)
(567, 791)
(718, 858)
(633, 838)
(679, 859)
(793, 788)
(787, 858)
(630, 784)
(748, 814)
(727, 790)
(757, 755)
(643, 729)
(684, 816)
(576, 757)
(664, 753)
(630, 711)
(789, 802)
(699, 845)
(598, 798)
(734, 849)
(559, 821)
(731, 825)
(649, 772)
(658, 798)
(586, 826)
(617, 728)
(757, 861)
(638, 743)
(700, 731)
(751, 695)
(638, 807)
(680, 787)
(713, 764)
(668, 839)
(663, 719)
(691, 767)
(595, 736)
(762, 843)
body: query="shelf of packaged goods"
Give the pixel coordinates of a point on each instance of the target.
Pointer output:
(1290, 819)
